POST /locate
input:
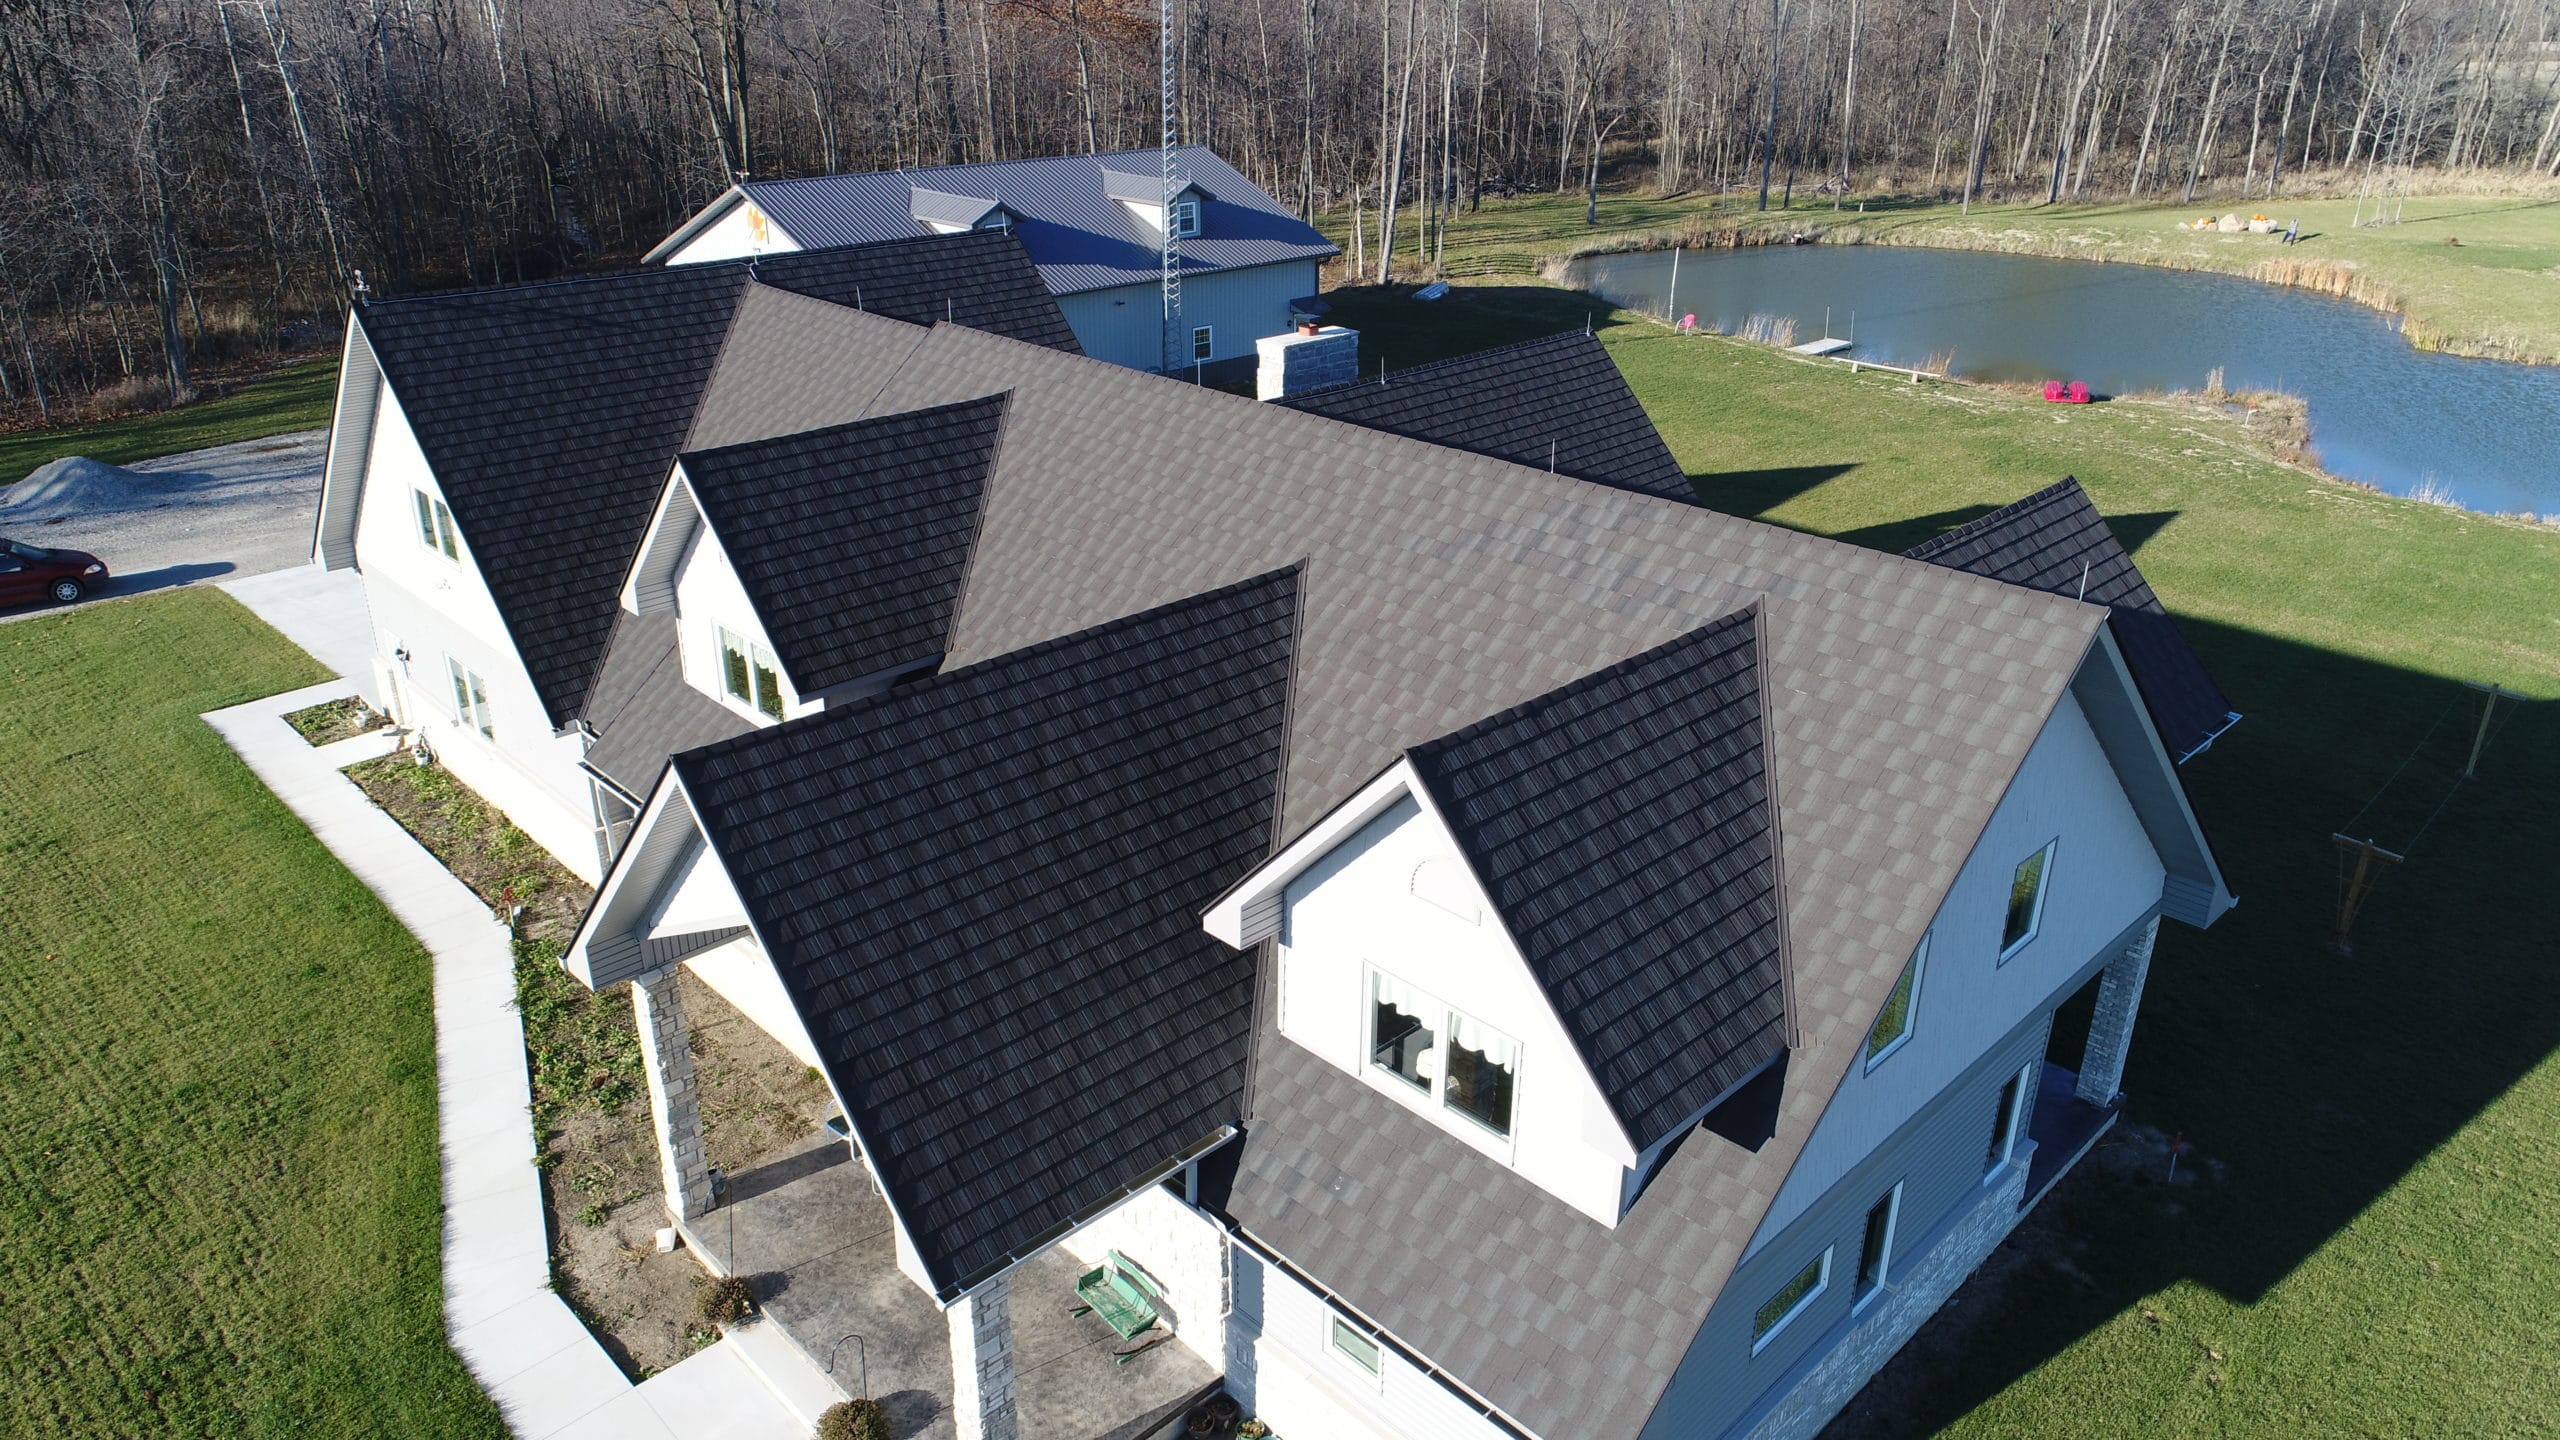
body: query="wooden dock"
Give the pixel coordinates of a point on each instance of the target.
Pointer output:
(1824, 346)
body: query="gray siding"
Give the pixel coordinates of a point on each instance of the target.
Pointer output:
(1936, 1157)
(1125, 325)
(350, 453)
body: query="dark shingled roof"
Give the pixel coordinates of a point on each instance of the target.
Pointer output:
(2056, 541)
(549, 412)
(851, 540)
(1624, 828)
(983, 894)
(1514, 404)
(643, 710)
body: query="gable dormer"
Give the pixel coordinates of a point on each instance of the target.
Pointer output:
(821, 564)
(1558, 933)
(947, 213)
(1141, 193)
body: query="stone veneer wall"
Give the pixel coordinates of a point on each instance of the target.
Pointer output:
(1916, 1291)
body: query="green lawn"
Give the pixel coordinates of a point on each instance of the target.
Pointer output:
(293, 397)
(219, 1209)
(2379, 1256)
(2495, 292)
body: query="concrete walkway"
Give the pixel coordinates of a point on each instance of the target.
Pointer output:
(323, 611)
(518, 1338)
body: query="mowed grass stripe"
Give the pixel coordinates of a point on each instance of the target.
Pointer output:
(217, 1099)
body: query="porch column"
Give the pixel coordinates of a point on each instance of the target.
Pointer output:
(982, 1362)
(2111, 1027)
(667, 1058)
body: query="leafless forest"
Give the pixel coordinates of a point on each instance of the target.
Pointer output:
(188, 182)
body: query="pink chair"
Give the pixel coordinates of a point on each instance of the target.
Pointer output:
(2079, 392)
(1689, 324)
(2053, 390)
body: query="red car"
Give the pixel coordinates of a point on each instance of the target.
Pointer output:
(29, 573)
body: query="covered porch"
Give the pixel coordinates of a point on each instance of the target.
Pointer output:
(2063, 1126)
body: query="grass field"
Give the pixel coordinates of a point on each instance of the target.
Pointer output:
(2496, 292)
(2378, 1258)
(219, 1209)
(293, 397)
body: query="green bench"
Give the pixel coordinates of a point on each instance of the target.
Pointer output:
(1124, 1296)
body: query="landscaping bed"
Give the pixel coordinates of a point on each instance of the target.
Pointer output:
(591, 1122)
(333, 720)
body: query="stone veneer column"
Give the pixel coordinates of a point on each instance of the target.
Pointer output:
(982, 1363)
(666, 1057)
(2111, 1028)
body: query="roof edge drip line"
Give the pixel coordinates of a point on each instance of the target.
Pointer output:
(960, 1289)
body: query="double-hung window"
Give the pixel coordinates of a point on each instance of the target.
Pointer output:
(1791, 1300)
(1893, 1023)
(2027, 886)
(1186, 218)
(748, 674)
(1356, 1347)
(1204, 344)
(470, 699)
(1471, 1067)
(435, 525)
(2004, 1124)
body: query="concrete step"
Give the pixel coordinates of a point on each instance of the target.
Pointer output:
(786, 1369)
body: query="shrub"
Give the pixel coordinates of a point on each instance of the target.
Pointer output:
(723, 1301)
(854, 1420)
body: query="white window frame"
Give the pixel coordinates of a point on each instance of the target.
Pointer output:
(1204, 344)
(1884, 1264)
(2035, 916)
(470, 698)
(1433, 1097)
(2014, 1122)
(435, 525)
(1338, 1325)
(1804, 1302)
(757, 657)
(1918, 969)
(1184, 218)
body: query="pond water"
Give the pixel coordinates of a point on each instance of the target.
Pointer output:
(2486, 431)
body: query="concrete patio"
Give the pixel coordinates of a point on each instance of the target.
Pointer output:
(816, 1242)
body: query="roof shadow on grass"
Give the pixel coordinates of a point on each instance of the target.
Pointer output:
(1753, 493)
(2309, 1086)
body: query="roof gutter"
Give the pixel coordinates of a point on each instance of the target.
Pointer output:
(953, 1294)
(2216, 733)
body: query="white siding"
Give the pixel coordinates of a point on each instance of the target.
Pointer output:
(437, 608)
(1395, 896)
(1125, 324)
(1281, 1368)
(2104, 876)
(708, 600)
(733, 235)
(1182, 1249)
(741, 975)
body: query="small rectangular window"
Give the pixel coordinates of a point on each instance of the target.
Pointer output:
(749, 675)
(470, 699)
(1357, 1348)
(1893, 1023)
(1480, 1068)
(1186, 218)
(2004, 1125)
(2026, 901)
(1799, 1292)
(1472, 1067)
(1400, 1042)
(435, 525)
(1875, 1246)
(1203, 344)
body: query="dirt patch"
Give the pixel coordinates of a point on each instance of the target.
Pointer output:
(335, 720)
(592, 1127)
(482, 848)
(602, 1184)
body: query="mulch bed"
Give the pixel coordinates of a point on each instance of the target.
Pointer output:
(333, 720)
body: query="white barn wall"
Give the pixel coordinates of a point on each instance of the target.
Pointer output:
(1125, 324)
(732, 236)
(1357, 907)
(2104, 875)
(435, 608)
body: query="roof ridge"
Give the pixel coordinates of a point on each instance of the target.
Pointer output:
(911, 170)
(1580, 684)
(1444, 363)
(820, 433)
(1948, 539)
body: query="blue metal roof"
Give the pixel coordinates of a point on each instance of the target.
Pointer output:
(1078, 236)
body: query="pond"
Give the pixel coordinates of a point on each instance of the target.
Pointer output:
(2485, 431)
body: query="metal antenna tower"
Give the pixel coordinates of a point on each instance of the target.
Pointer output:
(1176, 354)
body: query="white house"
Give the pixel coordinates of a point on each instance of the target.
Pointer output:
(1503, 953)
(1094, 224)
